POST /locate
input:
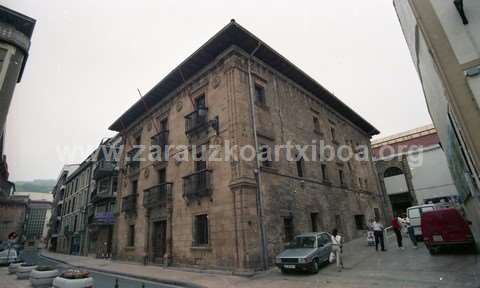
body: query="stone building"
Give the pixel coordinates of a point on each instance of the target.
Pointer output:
(413, 169)
(13, 210)
(58, 195)
(443, 38)
(236, 214)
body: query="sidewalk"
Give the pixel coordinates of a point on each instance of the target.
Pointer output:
(364, 267)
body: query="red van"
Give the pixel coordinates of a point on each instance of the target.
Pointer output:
(445, 227)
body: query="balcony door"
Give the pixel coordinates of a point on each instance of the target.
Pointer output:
(159, 240)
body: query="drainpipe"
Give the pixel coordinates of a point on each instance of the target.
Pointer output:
(257, 171)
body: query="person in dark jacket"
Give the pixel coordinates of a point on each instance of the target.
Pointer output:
(397, 229)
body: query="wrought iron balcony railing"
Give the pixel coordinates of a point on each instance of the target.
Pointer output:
(197, 120)
(103, 169)
(129, 203)
(157, 196)
(197, 185)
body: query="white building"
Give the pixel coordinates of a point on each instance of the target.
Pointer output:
(413, 168)
(443, 37)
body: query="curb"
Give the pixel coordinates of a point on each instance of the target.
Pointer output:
(131, 275)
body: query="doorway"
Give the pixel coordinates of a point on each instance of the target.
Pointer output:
(159, 240)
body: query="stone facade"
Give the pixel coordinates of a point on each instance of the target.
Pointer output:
(232, 204)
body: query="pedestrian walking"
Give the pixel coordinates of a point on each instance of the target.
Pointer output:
(397, 229)
(337, 248)
(378, 233)
(411, 233)
(370, 235)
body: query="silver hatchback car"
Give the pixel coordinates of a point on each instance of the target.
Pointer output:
(306, 252)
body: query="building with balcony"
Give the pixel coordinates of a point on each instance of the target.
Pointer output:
(103, 199)
(58, 195)
(237, 214)
(75, 209)
(443, 38)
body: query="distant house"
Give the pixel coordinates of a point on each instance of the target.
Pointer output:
(413, 168)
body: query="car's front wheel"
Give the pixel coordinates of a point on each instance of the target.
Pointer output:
(315, 266)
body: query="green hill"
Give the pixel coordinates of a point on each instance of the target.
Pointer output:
(37, 185)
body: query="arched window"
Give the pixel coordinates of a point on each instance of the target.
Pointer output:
(392, 171)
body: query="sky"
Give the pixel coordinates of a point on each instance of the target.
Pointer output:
(88, 58)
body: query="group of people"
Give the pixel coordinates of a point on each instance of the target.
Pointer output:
(400, 225)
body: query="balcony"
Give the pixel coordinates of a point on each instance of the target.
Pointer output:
(103, 169)
(197, 185)
(157, 196)
(196, 121)
(133, 158)
(102, 196)
(104, 218)
(129, 204)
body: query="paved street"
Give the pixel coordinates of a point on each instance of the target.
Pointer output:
(101, 279)
(364, 268)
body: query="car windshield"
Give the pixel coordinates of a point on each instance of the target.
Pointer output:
(304, 242)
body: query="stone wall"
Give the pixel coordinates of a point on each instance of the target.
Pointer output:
(234, 241)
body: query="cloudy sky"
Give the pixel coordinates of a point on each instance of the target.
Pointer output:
(89, 57)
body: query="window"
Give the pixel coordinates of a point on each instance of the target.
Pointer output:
(114, 184)
(138, 140)
(131, 235)
(324, 172)
(338, 222)
(75, 223)
(265, 155)
(288, 226)
(200, 102)
(365, 185)
(314, 220)
(134, 187)
(376, 212)
(341, 177)
(164, 124)
(200, 161)
(300, 167)
(162, 176)
(316, 124)
(360, 222)
(332, 131)
(201, 230)
(259, 94)
(360, 183)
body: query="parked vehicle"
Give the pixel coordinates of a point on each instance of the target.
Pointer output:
(306, 252)
(414, 214)
(73, 279)
(43, 276)
(445, 227)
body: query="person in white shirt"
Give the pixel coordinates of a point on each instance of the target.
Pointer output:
(378, 233)
(337, 245)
